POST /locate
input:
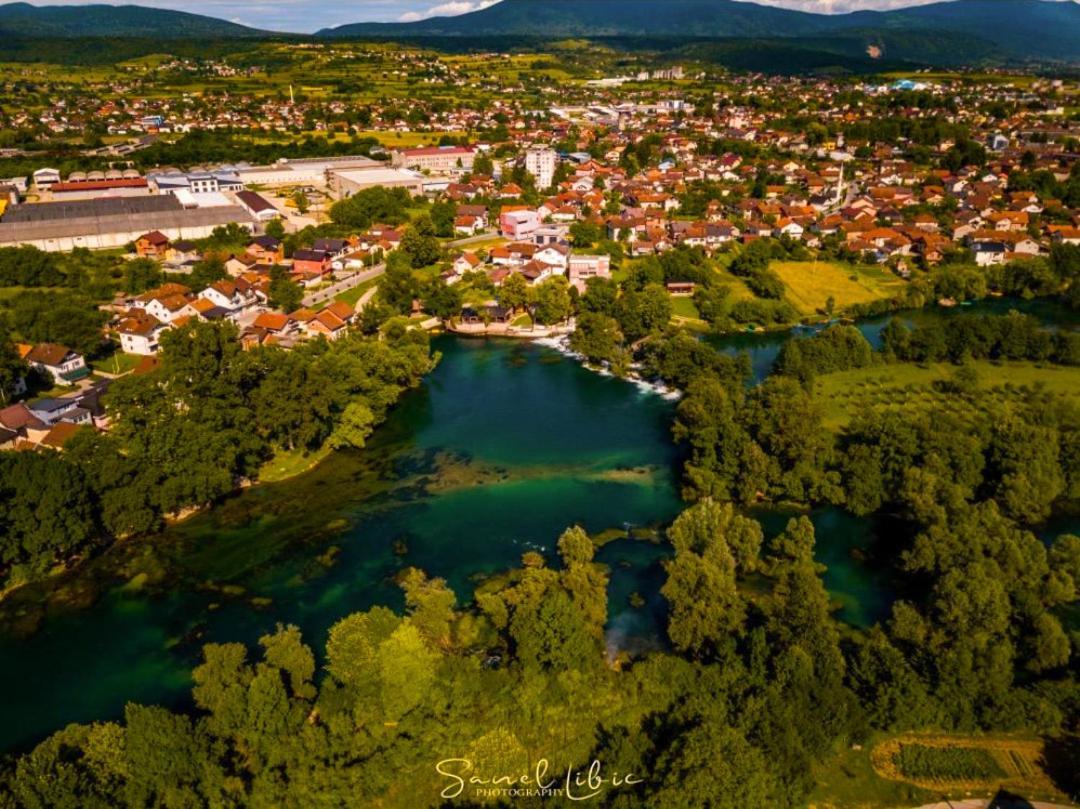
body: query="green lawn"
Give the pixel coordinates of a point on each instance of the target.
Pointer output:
(351, 296)
(683, 306)
(810, 284)
(116, 363)
(287, 464)
(903, 386)
(847, 780)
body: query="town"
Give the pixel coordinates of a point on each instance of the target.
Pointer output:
(867, 192)
(679, 396)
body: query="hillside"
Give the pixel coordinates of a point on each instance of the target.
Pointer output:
(26, 21)
(1019, 29)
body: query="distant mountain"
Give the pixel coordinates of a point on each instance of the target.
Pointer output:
(26, 21)
(1029, 29)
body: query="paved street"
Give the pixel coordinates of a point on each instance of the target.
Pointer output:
(479, 237)
(346, 283)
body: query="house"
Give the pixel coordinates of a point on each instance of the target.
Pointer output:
(18, 419)
(335, 247)
(341, 310)
(489, 314)
(311, 261)
(275, 323)
(238, 265)
(50, 411)
(469, 225)
(60, 434)
(554, 254)
(680, 289)
(225, 294)
(516, 225)
(168, 304)
(46, 178)
(62, 364)
(581, 268)
(466, 262)
(154, 244)
(266, 249)
(328, 324)
(139, 333)
(551, 234)
(988, 253)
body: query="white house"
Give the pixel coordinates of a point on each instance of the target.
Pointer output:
(58, 361)
(139, 334)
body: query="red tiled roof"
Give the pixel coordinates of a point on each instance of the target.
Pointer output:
(99, 185)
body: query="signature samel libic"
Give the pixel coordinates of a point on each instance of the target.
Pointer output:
(577, 785)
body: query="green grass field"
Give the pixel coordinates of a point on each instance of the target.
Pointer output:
(683, 306)
(351, 296)
(289, 464)
(907, 387)
(810, 284)
(116, 363)
(847, 780)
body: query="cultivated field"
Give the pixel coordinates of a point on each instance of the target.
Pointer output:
(810, 284)
(906, 387)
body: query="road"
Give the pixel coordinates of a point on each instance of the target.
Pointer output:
(346, 283)
(479, 237)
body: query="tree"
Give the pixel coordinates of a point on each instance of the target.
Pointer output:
(575, 547)
(406, 670)
(715, 766)
(552, 301)
(276, 228)
(441, 299)
(705, 606)
(45, 510)
(643, 313)
(714, 529)
(585, 234)
(301, 202)
(443, 215)
(141, 274)
(799, 610)
(371, 205)
(285, 294)
(354, 427)
(482, 165)
(550, 632)
(431, 606)
(596, 336)
(418, 242)
(601, 296)
(206, 272)
(12, 370)
(398, 287)
(353, 644)
(514, 292)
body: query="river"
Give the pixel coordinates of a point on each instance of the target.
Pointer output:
(503, 446)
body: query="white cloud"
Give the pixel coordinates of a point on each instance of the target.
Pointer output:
(449, 9)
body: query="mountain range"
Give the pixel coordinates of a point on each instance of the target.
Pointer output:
(1022, 28)
(940, 33)
(99, 20)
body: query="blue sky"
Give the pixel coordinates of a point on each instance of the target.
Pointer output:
(311, 15)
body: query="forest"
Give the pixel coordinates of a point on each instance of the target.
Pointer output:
(188, 432)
